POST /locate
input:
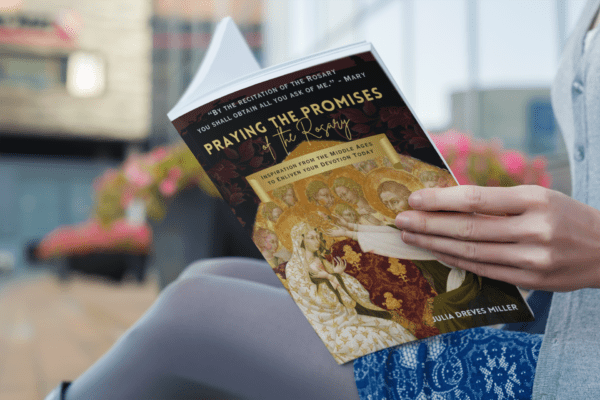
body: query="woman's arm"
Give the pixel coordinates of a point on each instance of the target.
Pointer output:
(526, 235)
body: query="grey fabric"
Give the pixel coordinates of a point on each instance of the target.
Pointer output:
(569, 362)
(54, 394)
(226, 328)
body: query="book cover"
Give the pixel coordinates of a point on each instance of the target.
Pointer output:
(315, 165)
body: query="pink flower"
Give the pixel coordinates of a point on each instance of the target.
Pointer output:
(461, 178)
(463, 144)
(481, 162)
(136, 175)
(167, 187)
(157, 155)
(545, 181)
(91, 236)
(514, 162)
(459, 165)
(175, 173)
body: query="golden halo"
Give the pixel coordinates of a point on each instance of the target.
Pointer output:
(260, 214)
(347, 172)
(443, 173)
(380, 175)
(312, 215)
(286, 221)
(301, 185)
(282, 204)
(318, 217)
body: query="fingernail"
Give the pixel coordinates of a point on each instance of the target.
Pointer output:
(415, 200)
(402, 221)
(407, 237)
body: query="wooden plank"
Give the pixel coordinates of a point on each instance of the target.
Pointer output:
(52, 331)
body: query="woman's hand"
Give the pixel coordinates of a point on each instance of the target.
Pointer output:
(526, 235)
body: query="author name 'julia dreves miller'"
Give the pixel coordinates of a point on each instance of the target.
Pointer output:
(475, 311)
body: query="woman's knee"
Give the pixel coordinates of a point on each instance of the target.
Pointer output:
(176, 321)
(233, 267)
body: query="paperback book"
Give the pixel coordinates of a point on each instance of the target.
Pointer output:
(316, 157)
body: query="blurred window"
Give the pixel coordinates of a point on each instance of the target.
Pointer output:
(542, 127)
(179, 45)
(32, 72)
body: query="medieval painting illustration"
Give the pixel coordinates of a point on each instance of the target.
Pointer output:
(331, 240)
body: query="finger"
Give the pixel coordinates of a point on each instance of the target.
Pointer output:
(522, 256)
(523, 278)
(485, 200)
(464, 226)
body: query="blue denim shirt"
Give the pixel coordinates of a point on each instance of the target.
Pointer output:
(569, 361)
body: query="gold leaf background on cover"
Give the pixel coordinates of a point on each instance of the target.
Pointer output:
(380, 175)
(394, 286)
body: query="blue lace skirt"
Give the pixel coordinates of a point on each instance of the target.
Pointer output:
(474, 364)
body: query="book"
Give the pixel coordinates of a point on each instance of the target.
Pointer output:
(316, 157)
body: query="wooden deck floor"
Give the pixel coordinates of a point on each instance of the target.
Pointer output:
(52, 331)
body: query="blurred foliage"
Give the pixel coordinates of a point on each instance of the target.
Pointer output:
(154, 178)
(477, 162)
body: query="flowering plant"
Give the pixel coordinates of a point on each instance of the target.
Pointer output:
(148, 179)
(153, 178)
(476, 162)
(91, 236)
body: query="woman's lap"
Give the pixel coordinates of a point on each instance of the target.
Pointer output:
(227, 326)
(480, 363)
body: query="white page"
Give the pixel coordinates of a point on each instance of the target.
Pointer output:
(228, 57)
(267, 74)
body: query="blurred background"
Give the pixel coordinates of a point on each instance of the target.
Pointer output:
(100, 204)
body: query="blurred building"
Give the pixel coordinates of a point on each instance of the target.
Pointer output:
(83, 84)
(75, 93)
(74, 69)
(181, 32)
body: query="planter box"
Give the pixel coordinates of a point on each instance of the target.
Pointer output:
(197, 226)
(113, 266)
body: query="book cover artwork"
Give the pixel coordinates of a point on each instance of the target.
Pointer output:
(316, 164)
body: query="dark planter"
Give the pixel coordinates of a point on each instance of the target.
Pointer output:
(113, 266)
(197, 226)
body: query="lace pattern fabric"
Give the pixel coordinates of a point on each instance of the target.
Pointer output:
(474, 364)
